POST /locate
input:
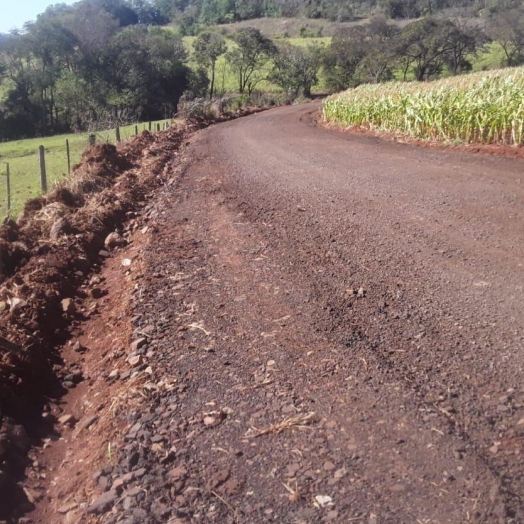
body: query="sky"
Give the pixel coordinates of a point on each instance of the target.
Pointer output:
(15, 13)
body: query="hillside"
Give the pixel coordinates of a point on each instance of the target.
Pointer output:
(227, 11)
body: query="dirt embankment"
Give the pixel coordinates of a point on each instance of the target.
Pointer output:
(55, 246)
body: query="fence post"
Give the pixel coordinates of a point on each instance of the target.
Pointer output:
(92, 140)
(8, 188)
(136, 130)
(117, 132)
(43, 175)
(68, 157)
(149, 126)
(158, 127)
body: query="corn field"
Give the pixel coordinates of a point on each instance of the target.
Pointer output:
(486, 108)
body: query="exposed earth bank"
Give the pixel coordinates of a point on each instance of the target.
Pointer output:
(304, 326)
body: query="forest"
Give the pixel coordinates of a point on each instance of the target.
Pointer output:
(98, 63)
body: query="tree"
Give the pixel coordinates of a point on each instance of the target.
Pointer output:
(147, 13)
(248, 59)
(428, 45)
(217, 11)
(208, 47)
(401, 8)
(380, 59)
(146, 72)
(507, 28)
(120, 10)
(296, 68)
(424, 46)
(462, 41)
(93, 38)
(348, 48)
(361, 54)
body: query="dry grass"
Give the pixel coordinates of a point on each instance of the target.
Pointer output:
(300, 421)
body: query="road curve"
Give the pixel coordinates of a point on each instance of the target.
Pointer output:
(436, 239)
(377, 285)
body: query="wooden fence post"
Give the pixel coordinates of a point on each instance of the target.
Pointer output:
(136, 130)
(117, 132)
(8, 187)
(149, 126)
(92, 140)
(68, 157)
(43, 175)
(158, 127)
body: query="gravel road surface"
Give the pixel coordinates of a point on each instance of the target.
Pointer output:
(344, 320)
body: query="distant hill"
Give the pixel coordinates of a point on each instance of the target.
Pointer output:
(212, 12)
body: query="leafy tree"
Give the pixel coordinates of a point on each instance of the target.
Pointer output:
(217, 11)
(148, 75)
(168, 8)
(507, 28)
(75, 98)
(380, 59)
(462, 41)
(197, 84)
(120, 10)
(423, 47)
(208, 47)
(93, 39)
(341, 62)
(249, 57)
(401, 8)
(427, 46)
(296, 68)
(147, 13)
(248, 9)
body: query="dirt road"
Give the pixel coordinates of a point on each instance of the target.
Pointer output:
(341, 319)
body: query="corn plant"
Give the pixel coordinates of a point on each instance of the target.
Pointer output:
(485, 108)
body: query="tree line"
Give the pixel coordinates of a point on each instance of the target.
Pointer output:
(373, 52)
(190, 13)
(83, 64)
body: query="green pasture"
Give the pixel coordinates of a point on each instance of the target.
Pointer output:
(490, 57)
(24, 167)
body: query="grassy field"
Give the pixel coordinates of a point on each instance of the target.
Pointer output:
(22, 156)
(485, 107)
(491, 57)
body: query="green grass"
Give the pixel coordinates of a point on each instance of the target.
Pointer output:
(491, 57)
(485, 107)
(22, 156)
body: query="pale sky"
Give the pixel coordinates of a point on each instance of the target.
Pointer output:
(15, 13)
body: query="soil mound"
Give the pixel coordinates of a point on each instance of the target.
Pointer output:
(44, 257)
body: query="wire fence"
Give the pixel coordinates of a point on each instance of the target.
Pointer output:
(28, 168)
